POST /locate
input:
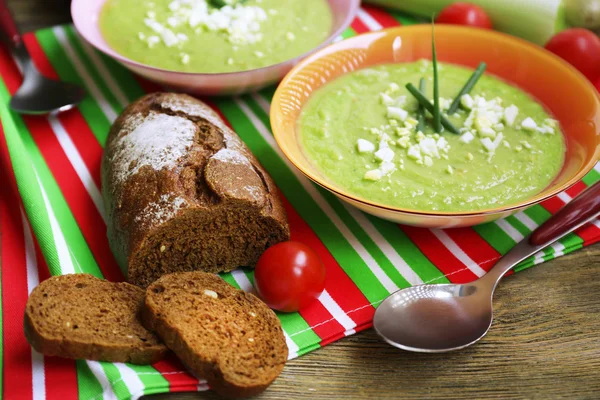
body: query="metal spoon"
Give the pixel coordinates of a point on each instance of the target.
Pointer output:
(37, 94)
(445, 317)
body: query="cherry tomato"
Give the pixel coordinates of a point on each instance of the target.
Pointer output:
(464, 14)
(579, 47)
(289, 276)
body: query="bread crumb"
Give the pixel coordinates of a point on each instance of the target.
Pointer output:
(211, 293)
(162, 248)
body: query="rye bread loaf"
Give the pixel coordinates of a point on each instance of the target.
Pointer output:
(82, 317)
(183, 193)
(224, 335)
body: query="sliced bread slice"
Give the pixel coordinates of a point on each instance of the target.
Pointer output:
(82, 317)
(224, 335)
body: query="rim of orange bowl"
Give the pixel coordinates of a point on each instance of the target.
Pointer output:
(543, 195)
(106, 49)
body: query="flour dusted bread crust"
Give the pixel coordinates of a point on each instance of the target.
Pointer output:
(82, 317)
(182, 192)
(222, 334)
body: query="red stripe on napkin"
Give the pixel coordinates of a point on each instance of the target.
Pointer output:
(80, 133)
(175, 373)
(474, 246)
(379, 15)
(359, 27)
(16, 366)
(61, 378)
(439, 255)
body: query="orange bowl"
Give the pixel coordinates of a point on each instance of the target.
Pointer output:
(559, 87)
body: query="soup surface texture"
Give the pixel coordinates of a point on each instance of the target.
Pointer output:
(195, 36)
(360, 132)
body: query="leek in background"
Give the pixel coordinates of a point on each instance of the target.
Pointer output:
(533, 20)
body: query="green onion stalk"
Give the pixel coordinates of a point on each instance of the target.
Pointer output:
(467, 88)
(421, 110)
(437, 113)
(420, 97)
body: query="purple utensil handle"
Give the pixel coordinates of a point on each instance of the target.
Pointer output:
(8, 26)
(570, 216)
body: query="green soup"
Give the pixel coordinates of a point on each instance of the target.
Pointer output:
(360, 132)
(194, 36)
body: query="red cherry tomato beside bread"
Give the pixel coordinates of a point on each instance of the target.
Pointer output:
(289, 276)
(464, 14)
(580, 48)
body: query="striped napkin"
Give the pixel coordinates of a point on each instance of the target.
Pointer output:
(53, 222)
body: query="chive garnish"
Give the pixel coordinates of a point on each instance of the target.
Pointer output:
(217, 3)
(222, 3)
(430, 107)
(437, 126)
(421, 110)
(467, 88)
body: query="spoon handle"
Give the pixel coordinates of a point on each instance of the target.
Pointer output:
(575, 214)
(11, 36)
(9, 29)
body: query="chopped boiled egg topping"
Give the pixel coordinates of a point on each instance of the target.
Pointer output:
(399, 139)
(240, 23)
(487, 119)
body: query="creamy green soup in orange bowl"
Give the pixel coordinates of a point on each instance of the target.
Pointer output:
(517, 124)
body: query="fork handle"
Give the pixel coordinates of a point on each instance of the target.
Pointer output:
(10, 33)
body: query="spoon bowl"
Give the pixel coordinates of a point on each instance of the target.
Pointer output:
(40, 95)
(37, 94)
(435, 318)
(445, 317)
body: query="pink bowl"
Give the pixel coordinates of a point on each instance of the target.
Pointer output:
(85, 14)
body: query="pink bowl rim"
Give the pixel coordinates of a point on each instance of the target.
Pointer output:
(106, 49)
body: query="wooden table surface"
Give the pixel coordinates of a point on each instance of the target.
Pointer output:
(544, 344)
